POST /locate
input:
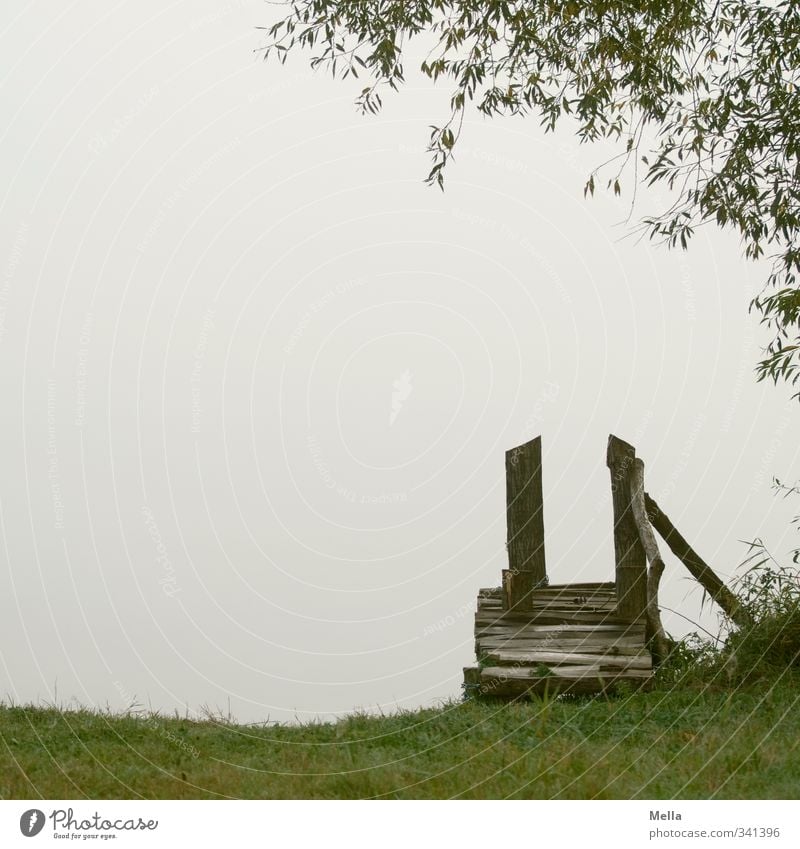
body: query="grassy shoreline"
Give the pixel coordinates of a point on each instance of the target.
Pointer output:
(684, 741)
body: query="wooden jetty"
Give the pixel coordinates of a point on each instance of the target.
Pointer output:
(533, 637)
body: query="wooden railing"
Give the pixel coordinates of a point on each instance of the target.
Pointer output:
(638, 561)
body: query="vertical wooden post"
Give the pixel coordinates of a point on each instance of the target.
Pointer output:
(629, 556)
(656, 636)
(525, 523)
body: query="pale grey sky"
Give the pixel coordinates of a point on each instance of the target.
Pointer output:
(259, 379)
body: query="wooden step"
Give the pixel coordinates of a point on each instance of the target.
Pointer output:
(557, 660)
(569, 600)
(511, 682)
(487, 645)
(570, 640)
(559, 623)
(554, 617)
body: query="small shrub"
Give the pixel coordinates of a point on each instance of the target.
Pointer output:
(692, 660)
(770, 593)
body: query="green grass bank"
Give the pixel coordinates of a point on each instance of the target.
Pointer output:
(685, 740)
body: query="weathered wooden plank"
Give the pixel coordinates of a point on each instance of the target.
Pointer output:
(547, 618)
(571, 598)
(558, 592)
(557, 607)
(632, 637)
(537, 602)
(555, 660)
(524, 673)
(581, 595)
(545, 595)
(635, 645)
(489, 645)
(586, 618)
(594, 677)
(472, 675)
(629, 556)
(634, 649)
(510, 656)
(505, 627)
(559, 659)
(600, 585)
(607, 638)
(496, 681)
(569, 637)
(609, 607)
(574, 672)
(570, 601)
(525, 521)
(613, 640)
(546, 609)
(619, 639)
(554, 595)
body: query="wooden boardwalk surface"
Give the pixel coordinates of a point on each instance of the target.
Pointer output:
(570, 641)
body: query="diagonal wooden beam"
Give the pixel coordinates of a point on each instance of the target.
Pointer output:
(697, 567)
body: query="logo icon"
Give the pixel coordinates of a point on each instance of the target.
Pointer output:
(402, 390)
(31, 822)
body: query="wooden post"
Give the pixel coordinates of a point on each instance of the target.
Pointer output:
(631, 566)
(525, 522)
(699, 569)
(656, 635)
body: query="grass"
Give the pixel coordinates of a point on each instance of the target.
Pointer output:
(685, 739)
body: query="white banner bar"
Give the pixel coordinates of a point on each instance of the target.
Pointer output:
(402, 825)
